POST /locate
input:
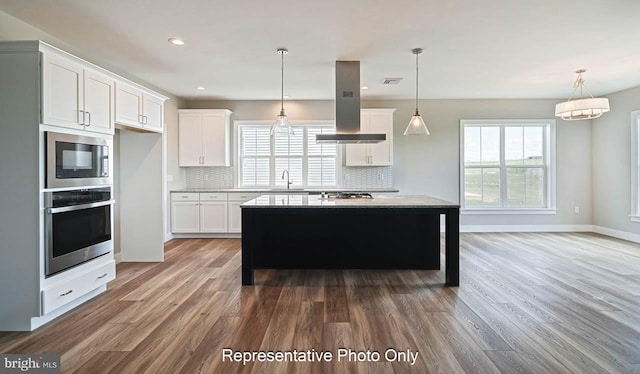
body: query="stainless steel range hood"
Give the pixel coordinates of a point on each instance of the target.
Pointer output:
(348, 108)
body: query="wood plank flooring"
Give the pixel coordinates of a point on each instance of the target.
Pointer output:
(527, 303)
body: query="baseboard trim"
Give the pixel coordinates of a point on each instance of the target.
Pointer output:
(617, 234)
(230, 235)
(118, 257)
(525, 228)
(168, 236)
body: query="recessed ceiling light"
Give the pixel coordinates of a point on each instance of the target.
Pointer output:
(176, 41)
(286, 96)
(364, 87)
(200, 88)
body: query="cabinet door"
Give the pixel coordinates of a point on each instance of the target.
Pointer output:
(213, 217)
(358, 154)
(128, 105)
(152, 113)
(98, 102)
(185, 217)
(235, 216)
(214, 140)
(380, 154)
(189, 139)
(62, 96)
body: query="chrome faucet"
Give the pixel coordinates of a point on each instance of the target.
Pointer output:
(289, 181)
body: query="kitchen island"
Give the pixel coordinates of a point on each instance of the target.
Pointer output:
(315, 232)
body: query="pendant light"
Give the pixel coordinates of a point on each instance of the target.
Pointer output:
(583, 108)
(416, 126)
(282, 126)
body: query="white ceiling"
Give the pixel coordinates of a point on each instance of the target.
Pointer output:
(472, 49)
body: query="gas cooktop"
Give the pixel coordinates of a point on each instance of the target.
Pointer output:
(351, 195)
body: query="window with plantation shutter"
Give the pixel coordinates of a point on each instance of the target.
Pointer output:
(263, 158)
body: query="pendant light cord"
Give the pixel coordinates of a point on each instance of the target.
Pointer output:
(282, 84)
(417, 83)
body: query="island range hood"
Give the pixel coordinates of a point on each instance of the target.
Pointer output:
(348, 108)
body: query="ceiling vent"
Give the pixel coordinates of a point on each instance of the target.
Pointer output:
(391, 80)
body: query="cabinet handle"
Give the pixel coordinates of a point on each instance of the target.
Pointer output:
(140, 119)
(81, 122)
(102, 276)
(89, 113)
(66, 293)
(146, 120)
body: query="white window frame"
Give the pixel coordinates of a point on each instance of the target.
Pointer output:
(635, 165)
(272, 176)
(549, 161)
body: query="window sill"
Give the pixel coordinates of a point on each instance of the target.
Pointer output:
(510, 211)
(634, 218)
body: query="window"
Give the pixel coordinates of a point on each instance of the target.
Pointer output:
(508, 165)
(263, 158)
(635, 166)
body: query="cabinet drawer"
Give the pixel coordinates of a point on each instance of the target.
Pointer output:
(242, 196)
(71, 289)
(185, 196)
(211, 196)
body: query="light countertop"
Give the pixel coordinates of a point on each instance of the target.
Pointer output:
(315, 201)
(285, 191)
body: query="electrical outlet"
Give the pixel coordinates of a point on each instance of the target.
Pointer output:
(576, 209)
(206, 177)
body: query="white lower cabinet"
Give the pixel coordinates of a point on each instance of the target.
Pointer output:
(70, 289)
(235, 212)
(235, 216)
(213, 217)
(211, 212)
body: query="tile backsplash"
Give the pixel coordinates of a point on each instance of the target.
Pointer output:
(209, 177)
(367, 177)
(352, 177)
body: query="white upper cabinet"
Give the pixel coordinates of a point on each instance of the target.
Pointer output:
(128, 105)
(373, 121)
(75, 96)
(203, 138)
(152, 112)
(98, 102)
(138, 109)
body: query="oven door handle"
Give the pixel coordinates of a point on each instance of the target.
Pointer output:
(79, 207)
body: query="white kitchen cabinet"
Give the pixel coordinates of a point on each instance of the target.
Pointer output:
(235, 216)
(208, 212)
(152, 112)
(203, 138)
(373, 121)
(75, 96)
(235, 212)
(98, 102)
(138, 109)
(70, 289)
(185, 216)
(193, 212)
(213, 216)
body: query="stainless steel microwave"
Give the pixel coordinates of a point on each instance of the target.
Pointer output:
(77, 161)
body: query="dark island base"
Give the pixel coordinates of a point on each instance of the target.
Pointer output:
(341, 238)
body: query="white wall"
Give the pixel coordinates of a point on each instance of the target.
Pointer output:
(611, 159)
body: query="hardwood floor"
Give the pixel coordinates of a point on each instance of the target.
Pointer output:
(527, 303)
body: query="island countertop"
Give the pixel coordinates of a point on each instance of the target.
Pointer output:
(316, 201)
(285, 191)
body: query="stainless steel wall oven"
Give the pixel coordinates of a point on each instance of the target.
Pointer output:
(77, 227)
